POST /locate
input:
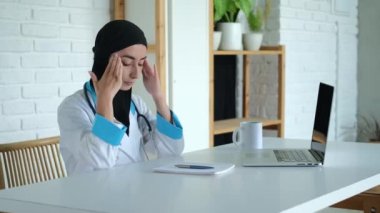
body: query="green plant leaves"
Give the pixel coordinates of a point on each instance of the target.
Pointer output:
(255, 20)
(245, 6)
(232, 10)
(220, 8)
(228, 9)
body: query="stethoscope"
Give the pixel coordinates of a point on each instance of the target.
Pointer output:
(140, 117)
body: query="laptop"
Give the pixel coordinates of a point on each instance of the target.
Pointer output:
(300, 157)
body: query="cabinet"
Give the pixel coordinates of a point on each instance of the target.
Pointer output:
(228, 125)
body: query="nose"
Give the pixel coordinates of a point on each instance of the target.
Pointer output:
(134, 72)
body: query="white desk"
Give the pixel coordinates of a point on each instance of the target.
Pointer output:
(350, 169)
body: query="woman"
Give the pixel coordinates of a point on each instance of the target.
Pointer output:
(104, 125)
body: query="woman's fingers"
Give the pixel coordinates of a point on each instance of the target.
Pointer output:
(155, 70)
(108, 67)
(151, 80)
(111, 80)
(115, 75)
(149, 72)
(147, 69)
(119, 70)
(113, 68)
(114, 62)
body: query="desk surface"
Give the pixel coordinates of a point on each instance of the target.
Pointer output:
(350, 168)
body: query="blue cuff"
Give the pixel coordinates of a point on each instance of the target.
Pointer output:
(174, 131)
(107, 131)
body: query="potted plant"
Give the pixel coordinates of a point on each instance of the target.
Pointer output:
(225, 12)
(368, 129)
(219, 10)
(256, 19)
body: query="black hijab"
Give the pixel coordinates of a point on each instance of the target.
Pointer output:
(114, 36)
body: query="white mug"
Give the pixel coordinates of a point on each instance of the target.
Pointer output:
(250, 135)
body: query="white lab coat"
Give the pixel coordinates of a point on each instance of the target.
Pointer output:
(83, 151)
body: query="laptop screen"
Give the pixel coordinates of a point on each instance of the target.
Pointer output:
(322, 117)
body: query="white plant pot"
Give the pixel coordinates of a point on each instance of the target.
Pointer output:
(252, 40)
(231, 39)
(217, 39)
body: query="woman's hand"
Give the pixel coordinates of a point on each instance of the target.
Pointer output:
(111, 80)
(152, 85)
(107, 87)
(151, 80)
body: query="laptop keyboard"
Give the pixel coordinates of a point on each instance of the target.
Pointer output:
(319, 156)
(291, 156)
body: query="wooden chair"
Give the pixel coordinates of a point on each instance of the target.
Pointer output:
(30, 162)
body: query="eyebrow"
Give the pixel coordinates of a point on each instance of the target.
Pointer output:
(133, 58)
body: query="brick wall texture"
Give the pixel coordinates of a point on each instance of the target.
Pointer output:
(321, 45)
(45, 53)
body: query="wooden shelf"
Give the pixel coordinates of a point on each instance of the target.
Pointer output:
(229, 125)
(268, 50)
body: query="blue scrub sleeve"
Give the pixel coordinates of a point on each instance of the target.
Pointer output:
(108, 131)
(174, 131)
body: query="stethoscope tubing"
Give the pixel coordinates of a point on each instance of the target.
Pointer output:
(139, 115)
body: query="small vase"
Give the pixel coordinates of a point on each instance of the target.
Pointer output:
(231, 39)
(217, 39)
(252, 40)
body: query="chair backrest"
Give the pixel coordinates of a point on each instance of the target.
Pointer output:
(30, 162)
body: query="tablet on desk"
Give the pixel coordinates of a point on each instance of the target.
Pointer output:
(195, 168)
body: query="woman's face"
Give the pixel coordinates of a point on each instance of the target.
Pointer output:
(132, 58)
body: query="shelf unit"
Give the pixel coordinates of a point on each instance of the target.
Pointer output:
(228, 125)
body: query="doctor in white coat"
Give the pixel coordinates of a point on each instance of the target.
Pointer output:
(104, 124)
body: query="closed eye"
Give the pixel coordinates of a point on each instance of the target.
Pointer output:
(127, 65)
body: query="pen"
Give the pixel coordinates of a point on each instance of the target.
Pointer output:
(190, 166)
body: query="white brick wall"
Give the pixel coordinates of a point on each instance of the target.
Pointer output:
(44, 45)
(39, 91)
(41, 2)
(7, 60)
(16, 45)
(18, 107)
(45, 54)
(37, 60)
(9, 92)
(321, 45)
(40, 30)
